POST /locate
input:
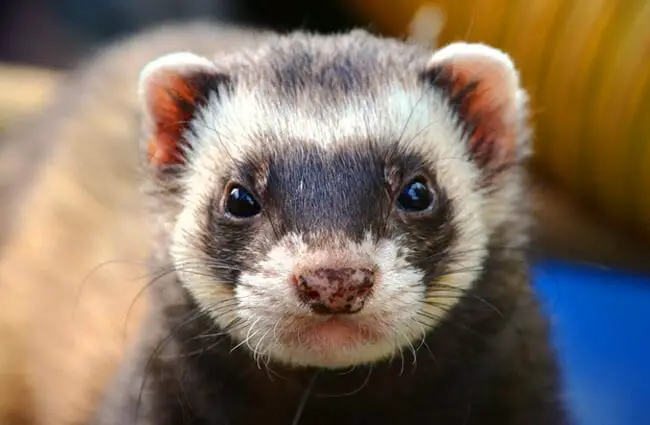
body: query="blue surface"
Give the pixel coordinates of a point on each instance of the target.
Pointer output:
(601, 328)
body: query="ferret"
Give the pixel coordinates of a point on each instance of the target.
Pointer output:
(335, 229)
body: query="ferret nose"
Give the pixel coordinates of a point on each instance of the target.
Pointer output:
(335, 291)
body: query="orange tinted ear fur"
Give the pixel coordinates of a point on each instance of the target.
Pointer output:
(171, 89)
(483, 87)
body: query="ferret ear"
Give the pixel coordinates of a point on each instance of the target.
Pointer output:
(483, 88)
(172, 89)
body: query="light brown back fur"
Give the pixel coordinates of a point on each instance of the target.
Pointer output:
(74, 261)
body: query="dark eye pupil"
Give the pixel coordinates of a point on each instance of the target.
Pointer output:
(415, 197)
(240, 203)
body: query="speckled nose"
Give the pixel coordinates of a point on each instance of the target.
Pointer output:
(335, 291)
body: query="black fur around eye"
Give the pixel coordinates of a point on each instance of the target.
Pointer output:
(415, 196)
(240, 203)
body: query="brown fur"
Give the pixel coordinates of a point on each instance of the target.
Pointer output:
(56, 301)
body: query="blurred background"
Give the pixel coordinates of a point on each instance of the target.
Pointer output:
(54, 33)
(586, 64)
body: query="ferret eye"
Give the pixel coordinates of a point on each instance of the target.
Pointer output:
(415, 196)
(240, 203)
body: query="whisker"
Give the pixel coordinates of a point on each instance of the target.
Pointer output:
(193, 315)
(352, 392)
(84, 282)
(303, 400)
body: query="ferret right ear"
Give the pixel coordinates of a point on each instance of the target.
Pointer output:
(172, 89)
(482, 84)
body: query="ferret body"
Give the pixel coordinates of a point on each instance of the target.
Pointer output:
(333, 229)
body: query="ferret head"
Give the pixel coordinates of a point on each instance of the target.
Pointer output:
(329, 199)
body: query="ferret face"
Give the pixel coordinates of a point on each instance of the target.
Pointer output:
(333, 207)
(322, 257)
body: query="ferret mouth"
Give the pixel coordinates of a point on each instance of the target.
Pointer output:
(334, 329)
(330, 340)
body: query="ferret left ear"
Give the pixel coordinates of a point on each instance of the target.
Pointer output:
(483, 88)
(172, 89)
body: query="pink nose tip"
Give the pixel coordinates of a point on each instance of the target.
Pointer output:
(335, 291)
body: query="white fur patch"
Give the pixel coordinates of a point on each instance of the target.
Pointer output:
(152, 75)
(482, 61)
(179, 63)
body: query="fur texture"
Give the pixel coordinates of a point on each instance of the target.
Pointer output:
(325, 131)
(291, 118)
